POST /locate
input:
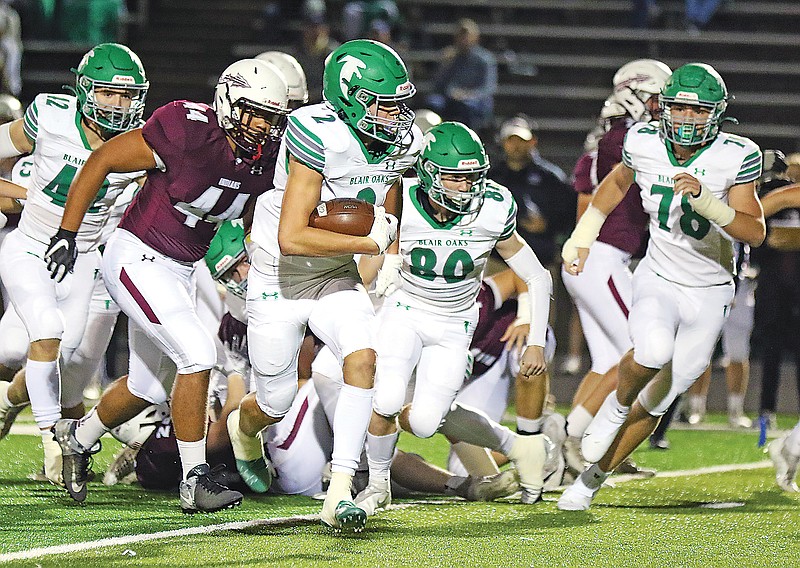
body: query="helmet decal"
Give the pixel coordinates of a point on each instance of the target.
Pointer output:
(351, 66)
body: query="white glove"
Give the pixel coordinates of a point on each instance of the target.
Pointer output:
(384, 229)
(388, 279)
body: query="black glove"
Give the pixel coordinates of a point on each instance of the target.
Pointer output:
(61, 254)
(233, 333)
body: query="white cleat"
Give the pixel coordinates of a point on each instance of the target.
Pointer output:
(739, 421)
(52, 461)
(573, 456)
(339, 512)
(602, 429)
(785, 465)
(374, 497)
(491, 487)
(529, 454)
(123, 468)
(576, 497)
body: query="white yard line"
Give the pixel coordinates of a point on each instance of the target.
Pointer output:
(136, 538)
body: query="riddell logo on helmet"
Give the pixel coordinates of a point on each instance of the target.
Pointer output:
(405, 87)
(686, 96)
(123, 79)
(468, 163)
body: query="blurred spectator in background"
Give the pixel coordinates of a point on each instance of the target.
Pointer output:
(545, 200)
(793, 167)
(10, 49)
(466, 81)
(359, 18)
(697, 13)
(91, 21)
(777, 317)
(315, 47)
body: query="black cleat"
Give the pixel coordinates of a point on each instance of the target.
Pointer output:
(200, 493)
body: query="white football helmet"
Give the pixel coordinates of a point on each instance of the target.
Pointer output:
(251, 89)
(636, 82)
(426, 119)
(292, 72)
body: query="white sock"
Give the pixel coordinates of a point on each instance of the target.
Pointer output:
(618, 408)
(735, 404)
(593, 477)
(90, 429)
(697, 404)
(529, 425)
(466, 424)
(353, 411)
(5, 402)
(577, 421)
(192, 454)
(380, 451)
(44, 389)
(792, 443)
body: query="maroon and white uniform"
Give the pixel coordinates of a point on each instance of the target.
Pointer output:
(149, 263)
(602, 292)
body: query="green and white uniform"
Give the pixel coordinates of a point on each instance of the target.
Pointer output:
(53, 124)
(683, 288)
(429, 321)
(286, 293)
(316, 137)
(684, 247)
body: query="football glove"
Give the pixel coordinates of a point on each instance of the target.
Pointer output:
(61, 254)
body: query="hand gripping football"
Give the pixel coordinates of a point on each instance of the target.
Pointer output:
(343, 215)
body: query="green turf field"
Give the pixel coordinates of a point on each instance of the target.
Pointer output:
(657, 522)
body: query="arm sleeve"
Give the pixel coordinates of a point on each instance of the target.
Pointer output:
(540, 286)
(750, 169)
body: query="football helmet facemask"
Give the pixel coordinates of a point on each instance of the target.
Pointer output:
(453, 148)
(636, 82)
(292, 72)
(362, 75)
(699, 85)
(247, 90)
(111, 66)
(226, 251)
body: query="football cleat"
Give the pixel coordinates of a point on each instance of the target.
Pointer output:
(491, 487)
(123, 468)
(346, 516)
(576, 497)
(200, 493)
(53, 462)
(629, 467)
(376, 496)
(739, 421)
(529, 454)
(602, 429)
(785, 465)
(8, 413)
(573, 456)
(76, 459)
(250, 461)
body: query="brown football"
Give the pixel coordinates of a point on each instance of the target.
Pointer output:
(343, 215)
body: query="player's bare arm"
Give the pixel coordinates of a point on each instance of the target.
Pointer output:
(127, 152)
(742, 218)
(295, 237)
(609, 194)
(10, 190)
(780, 199)
(16, 134)
(522, 260)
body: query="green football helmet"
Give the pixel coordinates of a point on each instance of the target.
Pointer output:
(227, 249)
(695, 84)
(362, 74)
(111, 66)
(453, 148)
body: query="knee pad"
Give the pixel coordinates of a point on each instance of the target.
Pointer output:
(147, 388)
(390, 394)
(424, 421)
(275, 397)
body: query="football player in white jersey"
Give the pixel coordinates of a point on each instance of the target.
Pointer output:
(698, 187)
(357, 144)
(452, 220)
(61, 131)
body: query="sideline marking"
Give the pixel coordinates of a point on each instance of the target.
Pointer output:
(239, 525)
(137, 538)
